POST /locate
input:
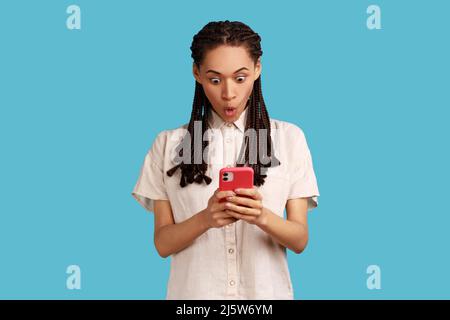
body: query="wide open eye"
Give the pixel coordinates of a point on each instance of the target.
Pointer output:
(242, 78)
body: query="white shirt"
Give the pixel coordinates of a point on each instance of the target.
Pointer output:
(239, 261)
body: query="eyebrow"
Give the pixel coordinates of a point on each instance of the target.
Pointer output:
(234, 72)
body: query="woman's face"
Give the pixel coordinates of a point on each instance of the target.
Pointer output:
(227, 75)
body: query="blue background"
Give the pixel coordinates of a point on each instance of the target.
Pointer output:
(80, 108)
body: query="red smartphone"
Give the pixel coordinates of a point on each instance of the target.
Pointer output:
(235, 177)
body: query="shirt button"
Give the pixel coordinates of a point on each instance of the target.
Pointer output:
(232, 283)
(228, 140)
(229, 124)
(230, 251)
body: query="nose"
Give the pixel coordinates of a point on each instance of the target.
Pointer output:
(228, 91)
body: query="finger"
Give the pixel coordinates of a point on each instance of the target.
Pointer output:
(242, 210)
(244, 201)
(251, 192)
(222, 194)
(228, 221)
(221, 215)
(220, 206)
(234, 214)
(229, 214)
(239, 216)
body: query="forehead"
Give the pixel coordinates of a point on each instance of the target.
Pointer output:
(227, 59)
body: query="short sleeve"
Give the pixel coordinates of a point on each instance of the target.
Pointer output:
(150, 184)
(303, 183)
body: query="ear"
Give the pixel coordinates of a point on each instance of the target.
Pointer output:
(258, 68)
(196, 73)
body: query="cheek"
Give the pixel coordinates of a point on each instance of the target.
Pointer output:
(243, 93)
(249, 89)
(212, 92)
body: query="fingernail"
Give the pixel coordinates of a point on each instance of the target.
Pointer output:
(237, 190)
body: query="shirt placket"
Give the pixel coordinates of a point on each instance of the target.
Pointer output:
(228, 145)
(230, 236)
(230, 229)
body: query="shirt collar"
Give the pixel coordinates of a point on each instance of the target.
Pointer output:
(216, 122)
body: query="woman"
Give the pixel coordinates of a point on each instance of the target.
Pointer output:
(235, 248)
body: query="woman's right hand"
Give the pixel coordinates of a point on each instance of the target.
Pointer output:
(215, 214)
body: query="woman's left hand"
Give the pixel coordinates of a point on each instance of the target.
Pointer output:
(244, 208)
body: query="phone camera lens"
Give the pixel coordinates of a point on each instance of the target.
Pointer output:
(225, 174)
(225, 179)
